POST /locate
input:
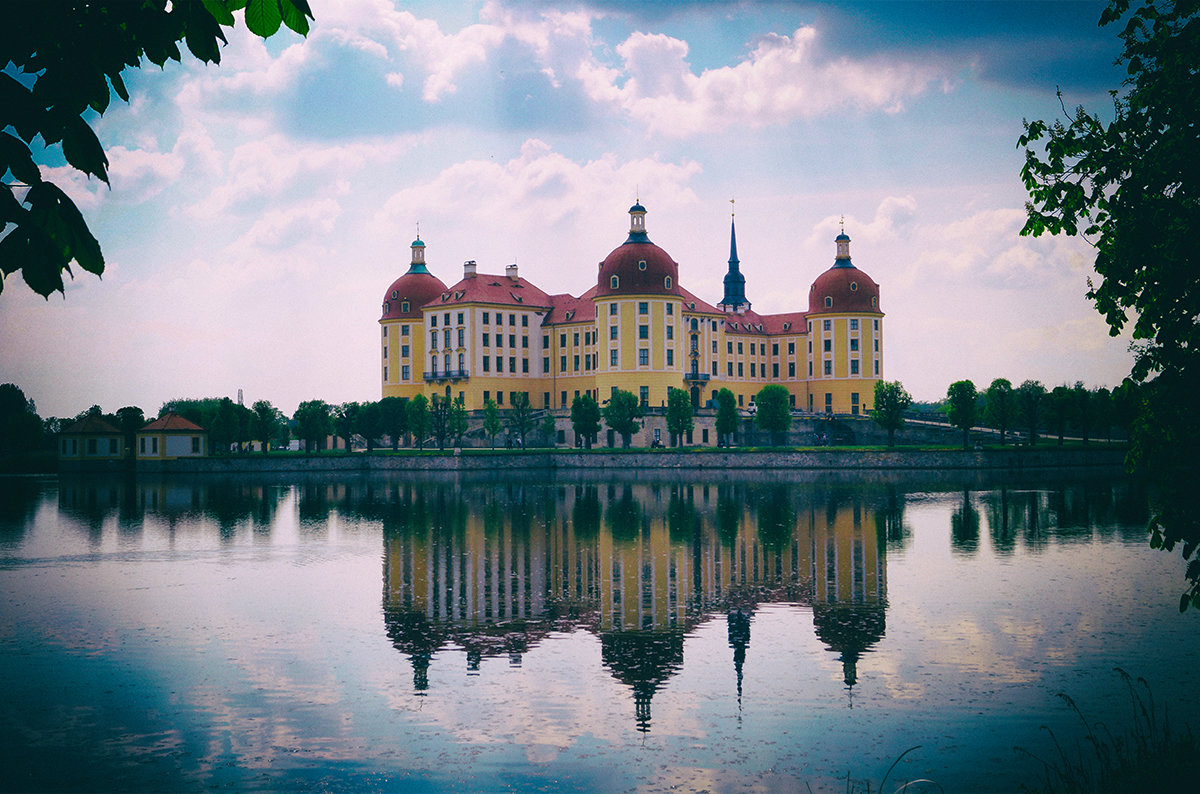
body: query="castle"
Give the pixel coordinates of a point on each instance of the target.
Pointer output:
(636, 329)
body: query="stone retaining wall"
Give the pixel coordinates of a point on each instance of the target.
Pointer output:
(1012, 459)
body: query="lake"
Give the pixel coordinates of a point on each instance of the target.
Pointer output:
(618, 631)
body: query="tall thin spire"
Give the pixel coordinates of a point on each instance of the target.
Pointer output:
(735, 282)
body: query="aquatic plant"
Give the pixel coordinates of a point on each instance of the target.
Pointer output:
(1147, 756)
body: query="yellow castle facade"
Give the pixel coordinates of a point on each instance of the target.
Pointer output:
(636, 329)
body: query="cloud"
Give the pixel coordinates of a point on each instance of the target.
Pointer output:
(783, 78)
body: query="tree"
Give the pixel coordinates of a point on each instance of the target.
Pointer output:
(774, 413)
(394, 415)
(417, 412)
(585, 418)
(622, 413)
(680, 419)
(548, 429)
(1100, 409)
(520, 416)
(960, 407)
(439, 419)
(491, 420)
(1061, 409)
(130, 419)
(998, 408)
(370, 423)
(727, 417)
(458, 421)
(891, 401)
(313, 423)
(20, 425)
(60, 61)
(268, 422)
(1081, 410)
(1030, 396)
(1130, 186)
(345, 418)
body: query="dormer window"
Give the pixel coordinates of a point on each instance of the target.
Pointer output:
(667, 282)
(404, 306)
(641, 264)
(395, 294)
(828, 302)
(874, 301)
(614, 282)
(854, 286)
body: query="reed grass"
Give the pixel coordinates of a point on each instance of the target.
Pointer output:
(1147, 756)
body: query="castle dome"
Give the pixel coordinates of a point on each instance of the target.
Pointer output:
(638, 266)
(843, 287)
(407, 294)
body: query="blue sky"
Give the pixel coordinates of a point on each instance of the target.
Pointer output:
(259, 209)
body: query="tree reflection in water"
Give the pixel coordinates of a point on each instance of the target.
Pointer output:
(493, 567)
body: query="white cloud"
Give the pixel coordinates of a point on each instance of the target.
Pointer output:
(783, 78)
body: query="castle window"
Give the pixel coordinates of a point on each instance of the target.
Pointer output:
(874, 301)
(524, 320)
(667, 284)
(854, 366)
(614, 283)
(854, 286)
(433, 321)
(670, 357)
(404, 306)
(395, 294)
(612, 332)
(404, 330)
(643, 332)
(404, 372)
(828, 367)
(612, 359)
(403, 351)
(854, 324)
(460, 315)
(854, 345)
(612, 308)
(670, 306)
(828, 302)
(387, 307)
(644, 357)
(875, 321)
(486, 318)
(643, 308)
(826, 325)
(641, 264)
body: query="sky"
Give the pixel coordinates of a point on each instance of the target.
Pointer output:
(259, 209)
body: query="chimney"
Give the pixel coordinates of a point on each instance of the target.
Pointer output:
(469, 268)
(511, 271)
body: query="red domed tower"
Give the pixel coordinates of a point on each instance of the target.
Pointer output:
(637, 297)
(402, 331)
(845, 327)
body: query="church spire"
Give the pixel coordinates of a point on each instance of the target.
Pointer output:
(735, 282)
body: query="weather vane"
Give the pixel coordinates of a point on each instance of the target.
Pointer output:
(731, 207)
(843, 222)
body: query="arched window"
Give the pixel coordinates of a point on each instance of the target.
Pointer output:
(828, 302)
(874, 301)
(404, 307)
(695, 324)
(386, 307)
(462, 362)
(667, 282)
(447, 362)
(614, 282)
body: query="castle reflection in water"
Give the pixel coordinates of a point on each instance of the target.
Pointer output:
(495, 570)
(493, 567)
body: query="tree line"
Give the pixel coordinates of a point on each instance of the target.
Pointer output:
(1029, 409)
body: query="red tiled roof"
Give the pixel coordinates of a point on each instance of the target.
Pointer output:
(172, 422)
(486, 288)
(90, 424)
(568, 309)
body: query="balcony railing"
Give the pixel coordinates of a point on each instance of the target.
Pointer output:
(449, 374)
(699, 377)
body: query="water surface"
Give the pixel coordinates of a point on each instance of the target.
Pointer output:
(649, 632)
